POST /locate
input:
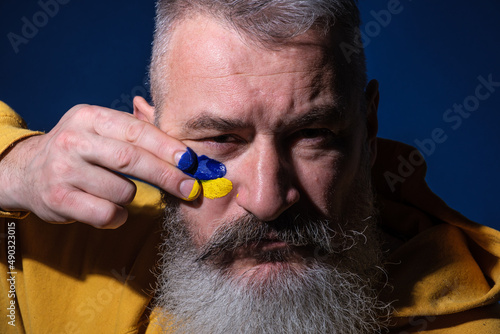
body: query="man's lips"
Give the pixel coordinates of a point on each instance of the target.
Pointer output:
(257, 249)
(268, 245)
(270, 242)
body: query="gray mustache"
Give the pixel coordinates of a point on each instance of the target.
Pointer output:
(294, 229)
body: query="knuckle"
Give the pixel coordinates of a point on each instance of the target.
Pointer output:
(85, 112)
(133, 131)
(66, 140)
(126, 193)
(71, 141)
(125, 157)
(130, 193)
(61, 169)
(75, 113)
(104, 122)
(75, 109)
(112, 217)
(58, 197)
(165, 176)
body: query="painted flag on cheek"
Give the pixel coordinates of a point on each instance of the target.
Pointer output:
(209, 172)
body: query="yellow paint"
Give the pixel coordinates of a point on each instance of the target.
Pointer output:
(195, 192)
(216, 188)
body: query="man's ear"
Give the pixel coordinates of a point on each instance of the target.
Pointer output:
(143, 110)
(372, 97)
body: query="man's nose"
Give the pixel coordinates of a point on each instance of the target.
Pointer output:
(267, 187)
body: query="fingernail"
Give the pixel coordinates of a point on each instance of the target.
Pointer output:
(190, 189)
(187, 161)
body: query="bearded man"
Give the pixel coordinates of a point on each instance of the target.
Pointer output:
(276, 230)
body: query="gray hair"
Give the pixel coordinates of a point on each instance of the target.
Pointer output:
(269, 23)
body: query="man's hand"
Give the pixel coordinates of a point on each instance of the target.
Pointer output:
(69, 174)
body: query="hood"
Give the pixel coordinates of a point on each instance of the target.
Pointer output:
(439, 261)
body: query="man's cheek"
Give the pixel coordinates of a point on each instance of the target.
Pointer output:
(201, 223)
(319, 183)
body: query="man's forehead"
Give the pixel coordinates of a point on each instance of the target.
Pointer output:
(202, 40)
(215, 71)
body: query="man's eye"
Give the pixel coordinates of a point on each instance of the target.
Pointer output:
(222, 146)
(223, 142)
(319, 134)
(223, 139)
(314, 138)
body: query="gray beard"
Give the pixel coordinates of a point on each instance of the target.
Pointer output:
(334, 291)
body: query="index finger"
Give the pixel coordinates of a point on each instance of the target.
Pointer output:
(163, 157)
(127, 128)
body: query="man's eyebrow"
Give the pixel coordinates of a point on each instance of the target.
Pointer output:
(318, 115)
(206, 121)
(326, 115)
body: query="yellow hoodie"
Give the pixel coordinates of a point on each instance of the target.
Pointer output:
(73, 278)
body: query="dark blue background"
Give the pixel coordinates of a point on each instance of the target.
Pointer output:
(427, 58)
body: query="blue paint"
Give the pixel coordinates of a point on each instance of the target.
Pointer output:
(188, 162)
(209, 169)
(201, 167)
